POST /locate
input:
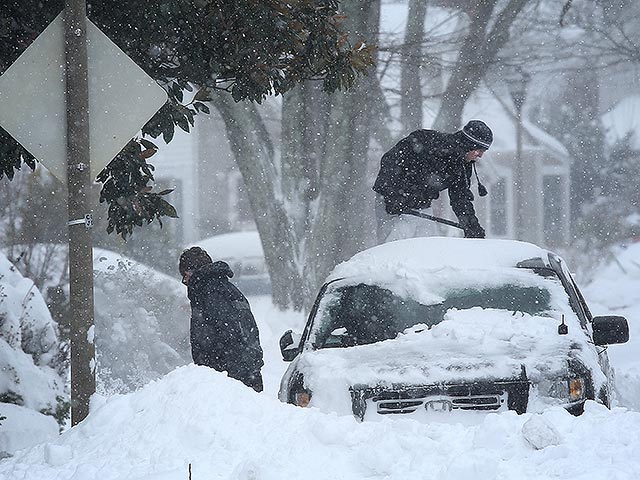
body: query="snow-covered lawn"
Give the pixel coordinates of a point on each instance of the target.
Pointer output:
(616, 290)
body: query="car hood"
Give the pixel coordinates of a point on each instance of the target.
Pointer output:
(468, 345)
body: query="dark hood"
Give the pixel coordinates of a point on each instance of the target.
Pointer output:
(219, 270)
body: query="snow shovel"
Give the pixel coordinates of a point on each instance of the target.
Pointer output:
(435, 219)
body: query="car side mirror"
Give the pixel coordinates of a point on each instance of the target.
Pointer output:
(289, 343)
(610, 329)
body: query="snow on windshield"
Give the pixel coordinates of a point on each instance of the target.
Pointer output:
(370, 313)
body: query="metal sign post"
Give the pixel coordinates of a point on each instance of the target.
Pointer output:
(83, 364)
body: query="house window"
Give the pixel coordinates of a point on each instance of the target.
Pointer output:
(552, 208)
(498, 208)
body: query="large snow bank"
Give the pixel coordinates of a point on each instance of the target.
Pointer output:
(23, 427)
(226, 431)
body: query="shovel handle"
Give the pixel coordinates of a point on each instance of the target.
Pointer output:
(435, 219)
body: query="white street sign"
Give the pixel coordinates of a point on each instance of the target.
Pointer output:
(122, 98)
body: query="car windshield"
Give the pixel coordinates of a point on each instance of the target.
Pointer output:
(362, 314)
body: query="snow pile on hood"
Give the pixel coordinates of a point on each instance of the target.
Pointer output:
(226, 431)
(468, 345)
(615, 290)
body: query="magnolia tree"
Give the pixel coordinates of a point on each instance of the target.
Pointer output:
(245, 49)
(227, 54)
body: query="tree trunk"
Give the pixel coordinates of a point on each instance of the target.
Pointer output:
(316, 200)
(411, 63)
(255, 157)
(343, 215)
(479, 51)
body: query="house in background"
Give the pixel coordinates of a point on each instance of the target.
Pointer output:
(209, 192)
(211, 200)
(528, 187)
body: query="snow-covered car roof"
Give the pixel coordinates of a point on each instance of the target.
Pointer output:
(436, 253)
(408, 267)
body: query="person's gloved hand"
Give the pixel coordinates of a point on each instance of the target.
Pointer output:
(474, 232)
(471, 227)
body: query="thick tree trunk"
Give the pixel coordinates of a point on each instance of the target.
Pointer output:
(343, 216)
(255, 158)
(316, 199)
(479, 51)
(411, 60)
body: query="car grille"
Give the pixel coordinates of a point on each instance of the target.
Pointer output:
(485, 395)
(385, 405)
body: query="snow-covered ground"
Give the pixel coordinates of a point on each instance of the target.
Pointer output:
(226, 431)
(196, 416)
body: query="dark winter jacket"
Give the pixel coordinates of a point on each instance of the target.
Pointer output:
(224, 335)
(419, 167)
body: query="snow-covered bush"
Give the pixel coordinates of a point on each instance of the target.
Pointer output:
(33, 367)
(141, 315)
(142, 323)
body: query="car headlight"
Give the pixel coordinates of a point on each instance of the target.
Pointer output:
(302, 398)
(299, 395)
(576, 389)
(571, 389)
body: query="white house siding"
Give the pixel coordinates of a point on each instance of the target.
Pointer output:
(176, 168)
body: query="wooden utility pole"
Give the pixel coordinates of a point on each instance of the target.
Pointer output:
(83, 381)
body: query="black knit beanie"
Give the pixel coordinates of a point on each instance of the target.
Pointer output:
(192, 259)
(478, 135)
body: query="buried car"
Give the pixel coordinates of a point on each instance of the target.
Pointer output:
(450, 324)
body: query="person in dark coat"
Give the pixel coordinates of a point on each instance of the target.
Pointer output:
(414, 172)
(224, 334)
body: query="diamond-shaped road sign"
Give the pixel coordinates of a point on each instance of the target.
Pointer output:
(122, 98)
